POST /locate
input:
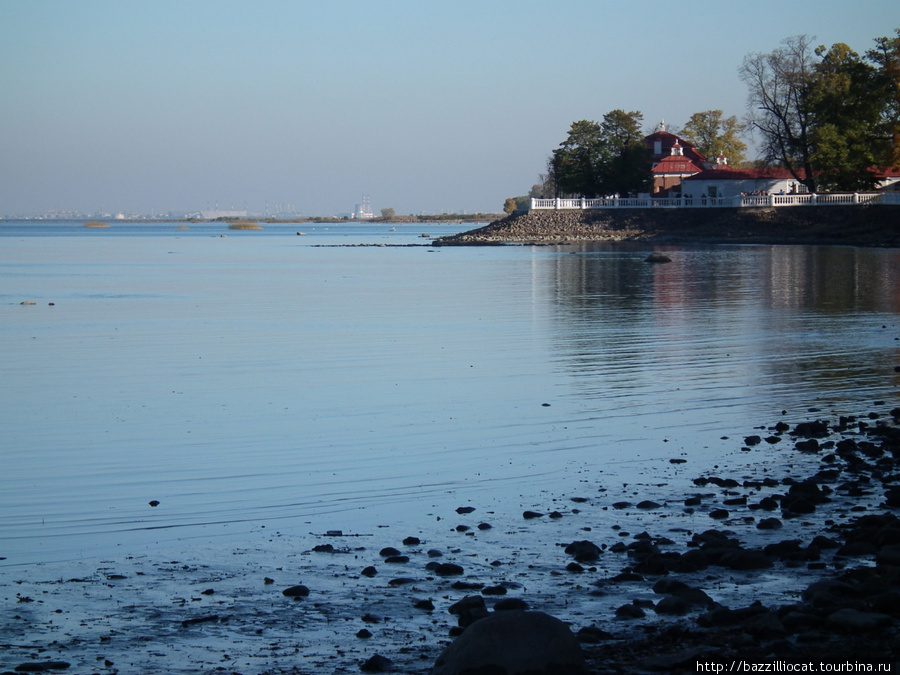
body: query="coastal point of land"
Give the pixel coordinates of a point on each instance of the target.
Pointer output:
(861, 225)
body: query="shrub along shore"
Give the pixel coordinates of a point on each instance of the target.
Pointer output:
(864, 225)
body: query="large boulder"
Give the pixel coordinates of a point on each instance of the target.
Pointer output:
(511, 643)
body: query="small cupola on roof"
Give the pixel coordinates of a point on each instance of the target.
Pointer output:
(721, 162)
(677, 150)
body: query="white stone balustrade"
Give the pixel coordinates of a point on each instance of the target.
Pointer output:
(775, 200)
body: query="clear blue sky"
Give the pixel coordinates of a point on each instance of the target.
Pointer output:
(427, 106)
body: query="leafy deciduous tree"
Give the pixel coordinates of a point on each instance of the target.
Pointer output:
(714, 134)
(778, 89)
(628, 160)
(886, 56)
(576, 162)
(597, 159)
(847, 106)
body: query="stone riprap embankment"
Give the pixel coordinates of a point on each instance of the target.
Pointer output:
(864, 225)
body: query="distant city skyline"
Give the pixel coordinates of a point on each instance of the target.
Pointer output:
(141, 107)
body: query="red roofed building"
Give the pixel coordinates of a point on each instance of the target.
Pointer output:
(724, 181)
(678, 168)
(674, 159)
(888, 178)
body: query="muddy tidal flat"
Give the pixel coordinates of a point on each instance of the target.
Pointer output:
(769, 566)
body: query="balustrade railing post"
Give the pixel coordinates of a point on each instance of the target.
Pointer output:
(556, 206)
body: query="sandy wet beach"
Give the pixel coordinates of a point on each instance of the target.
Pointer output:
(353, 598)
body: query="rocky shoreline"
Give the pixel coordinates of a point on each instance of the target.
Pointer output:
(786, 566)
(864, 225)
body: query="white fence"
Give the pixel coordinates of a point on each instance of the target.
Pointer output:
(733, 202)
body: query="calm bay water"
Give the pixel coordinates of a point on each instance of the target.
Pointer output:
(265, 379)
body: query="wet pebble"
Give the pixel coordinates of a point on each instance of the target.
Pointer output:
(377, 664)
(298, 591)
(584, 551)
(630, 612)
(769, 524)
(447, 569)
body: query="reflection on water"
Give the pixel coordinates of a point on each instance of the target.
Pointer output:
(728, 320)
(251, 380)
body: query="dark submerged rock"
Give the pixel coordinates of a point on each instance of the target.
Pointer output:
(377, 664)
(584, 551)
(514, 643)
(852, 620)
(631, 611)
(298, 591)
(508, 604)
(672, 605)
(769, 524)
(468, 610)
(448, 569)
(592, 635)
